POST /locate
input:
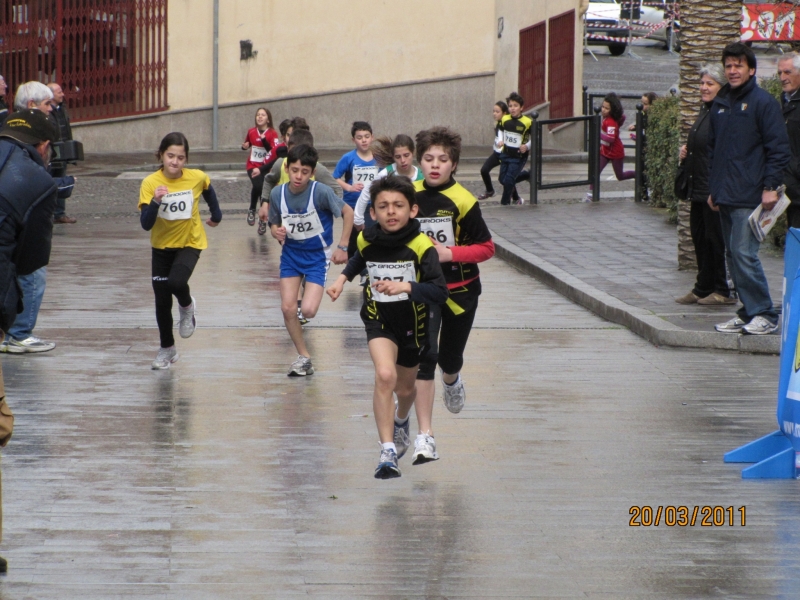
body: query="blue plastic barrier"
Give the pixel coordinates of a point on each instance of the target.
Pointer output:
(777, 455)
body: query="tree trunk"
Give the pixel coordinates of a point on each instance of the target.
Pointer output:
(707, 26)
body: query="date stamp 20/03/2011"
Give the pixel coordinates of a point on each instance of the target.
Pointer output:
(685, 516)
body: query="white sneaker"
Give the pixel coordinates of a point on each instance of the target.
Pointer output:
(29, 344)
(424, 449)
(188, 320)
(587, 197)
(165, 357)
(301, 367)
(760, 326)
(735, 325)
(454, 395)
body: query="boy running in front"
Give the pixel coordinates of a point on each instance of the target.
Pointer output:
(301, 215)
(451, 216)
(405, 280)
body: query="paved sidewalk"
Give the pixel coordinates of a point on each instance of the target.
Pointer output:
(619, 259)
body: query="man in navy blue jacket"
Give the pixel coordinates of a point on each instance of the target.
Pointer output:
(748, 153)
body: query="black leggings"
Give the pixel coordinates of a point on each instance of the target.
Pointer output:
(258, 185)
(447, 348)
(171, 272)
(491, 163)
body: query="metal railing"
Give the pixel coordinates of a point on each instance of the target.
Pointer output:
(592, 123)
(589, 107)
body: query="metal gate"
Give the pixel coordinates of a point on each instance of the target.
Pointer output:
(532, 50)
(109, 56)
(561, 74)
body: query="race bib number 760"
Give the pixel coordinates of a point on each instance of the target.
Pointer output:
(177, 206)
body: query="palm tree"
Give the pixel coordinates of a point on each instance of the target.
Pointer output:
(707, 26)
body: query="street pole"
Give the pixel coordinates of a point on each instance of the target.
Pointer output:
(639, 160)
(536, 165)
(215, 83)
(594, 154)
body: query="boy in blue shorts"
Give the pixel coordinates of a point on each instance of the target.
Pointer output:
(355, 170)
(301, 215)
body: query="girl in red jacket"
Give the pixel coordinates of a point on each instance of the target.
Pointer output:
(611, 148)
(260, 140)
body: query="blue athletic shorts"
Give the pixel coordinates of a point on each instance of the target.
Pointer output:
(311, 264)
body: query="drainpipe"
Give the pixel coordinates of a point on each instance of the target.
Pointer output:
(215, 83)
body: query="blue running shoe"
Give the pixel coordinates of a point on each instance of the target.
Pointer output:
(387, 466)
(401, 438)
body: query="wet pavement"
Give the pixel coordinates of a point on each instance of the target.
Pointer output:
(223, 478)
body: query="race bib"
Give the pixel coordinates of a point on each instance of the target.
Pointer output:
(302, 226)
(439, 229)
(612, 130)
(177, 206)
(512, 139)
(258, 154)
(365, 175)
(394, 271)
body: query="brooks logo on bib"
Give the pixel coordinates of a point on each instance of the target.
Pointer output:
(439, 229)
(258, 154)
(177, 206)
(363, 174)
(395, 271)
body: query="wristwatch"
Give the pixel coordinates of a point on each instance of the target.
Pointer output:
(342, 248)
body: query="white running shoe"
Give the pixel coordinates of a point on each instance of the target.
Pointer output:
(760, 326)
(165, 357)
(301, 367)
(587, 197)
(424, 449)
(454, 395)
(188, 320)
(29, 344)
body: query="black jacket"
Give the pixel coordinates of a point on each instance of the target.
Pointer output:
(3, 111)
(791, 177)
(748, 147)
(696, 161)
(60, 116)
(27, 201)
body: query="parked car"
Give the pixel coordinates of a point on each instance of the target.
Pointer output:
(605, 17)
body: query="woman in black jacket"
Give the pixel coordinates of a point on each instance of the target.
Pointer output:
(711, 287)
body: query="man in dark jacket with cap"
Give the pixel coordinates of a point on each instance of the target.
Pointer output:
(748, 150)
(27, 200)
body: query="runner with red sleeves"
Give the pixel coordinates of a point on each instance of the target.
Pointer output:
(261, 141)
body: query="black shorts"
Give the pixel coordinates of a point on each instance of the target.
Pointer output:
(409, 353)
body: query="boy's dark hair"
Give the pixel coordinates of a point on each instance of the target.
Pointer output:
(738, 50)
(360, 126)
(301, 136)
(393, 183)
(284, 126)
(616, 106)
(304, 153)
(176, 138)
(439, 136)
(299, 123)
(514, 96)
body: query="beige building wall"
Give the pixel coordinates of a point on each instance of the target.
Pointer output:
(336, 61)
(314, 46)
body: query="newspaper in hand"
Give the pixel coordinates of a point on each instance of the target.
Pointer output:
(761, 221)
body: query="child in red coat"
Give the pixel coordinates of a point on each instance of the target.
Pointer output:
(611, 148)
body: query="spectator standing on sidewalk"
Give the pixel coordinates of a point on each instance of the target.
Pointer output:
(748, 152)
(27, 198)
(60, 117)
(789, 74)
(711, 287)
(3, 105)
